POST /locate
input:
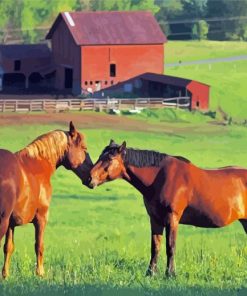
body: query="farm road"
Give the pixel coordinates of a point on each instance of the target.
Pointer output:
(105, 121)
(208, 61)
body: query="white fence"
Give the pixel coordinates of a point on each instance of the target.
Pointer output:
(91, 104)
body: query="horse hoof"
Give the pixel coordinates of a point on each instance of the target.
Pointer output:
(150, 272)
(5, 275)
(40, 272)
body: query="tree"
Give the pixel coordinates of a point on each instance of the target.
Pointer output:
(169, 10)
(124, 5)
(226, 27)
(10, 18)
(36, 14)
(179, 13)
(200, 30)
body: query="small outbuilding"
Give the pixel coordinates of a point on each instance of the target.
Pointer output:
(93, 50)
(152, 85)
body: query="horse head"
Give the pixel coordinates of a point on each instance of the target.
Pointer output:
(76, 157)
(110, 165)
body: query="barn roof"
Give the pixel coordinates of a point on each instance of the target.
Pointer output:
(111, 27)
(165, 79)
(22, 51)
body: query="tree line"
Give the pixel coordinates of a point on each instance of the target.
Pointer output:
(28, 20)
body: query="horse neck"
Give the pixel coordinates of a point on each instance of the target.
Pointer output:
(141, 178)
(46, 151)
(142, 166)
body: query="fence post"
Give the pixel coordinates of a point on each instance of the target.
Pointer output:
(107, 105)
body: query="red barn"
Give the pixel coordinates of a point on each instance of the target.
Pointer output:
(94, 50)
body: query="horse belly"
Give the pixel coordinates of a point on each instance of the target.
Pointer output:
(26, 205)
(194, 217)
(24, 211)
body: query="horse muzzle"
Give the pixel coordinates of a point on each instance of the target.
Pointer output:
(92, 183)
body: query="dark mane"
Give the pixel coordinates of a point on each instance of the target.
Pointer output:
(141, 158)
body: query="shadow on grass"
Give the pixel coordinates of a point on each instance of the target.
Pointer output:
(47, 289)
(94, 197)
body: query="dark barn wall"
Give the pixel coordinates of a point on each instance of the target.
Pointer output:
(66, 54)
(27, 67)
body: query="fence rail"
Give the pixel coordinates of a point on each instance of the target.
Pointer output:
(64, 105)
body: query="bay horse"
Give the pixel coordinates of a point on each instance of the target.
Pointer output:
(25, 187)
(175, 191)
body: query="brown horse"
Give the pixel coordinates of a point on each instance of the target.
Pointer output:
(25, 188)
(175, 191)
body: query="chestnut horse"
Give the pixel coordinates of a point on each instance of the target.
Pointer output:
(175, 191)
(25, 188)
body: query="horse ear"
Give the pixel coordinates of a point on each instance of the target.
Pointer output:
(111, 142)
(122, 148)
(72, 130)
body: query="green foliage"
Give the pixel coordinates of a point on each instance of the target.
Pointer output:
(200, 30)
(124, 5)
(36, 14)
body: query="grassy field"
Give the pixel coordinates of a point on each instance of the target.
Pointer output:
(184, 51)
(228, 84)
(97, 241)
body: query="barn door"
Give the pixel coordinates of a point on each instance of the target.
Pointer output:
(68, 78)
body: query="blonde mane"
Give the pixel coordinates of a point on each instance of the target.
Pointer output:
(50, 146)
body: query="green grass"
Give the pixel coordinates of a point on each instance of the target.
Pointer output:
(184, 51)
(97, 241)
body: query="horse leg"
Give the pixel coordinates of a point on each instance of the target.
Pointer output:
(171, 235)
(39, 224)
(4, 224)
(8, 250)
(244, 224)
(156, 239)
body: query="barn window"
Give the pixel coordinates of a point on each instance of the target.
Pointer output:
(106, 82)
(91, 82)
(113, 70)
(112, 82)
(197, 104)
(17, 65)
(85, 82)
